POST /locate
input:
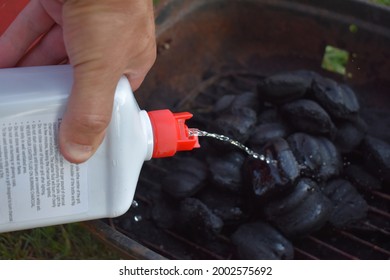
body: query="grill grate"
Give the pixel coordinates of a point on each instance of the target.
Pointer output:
(367, 240)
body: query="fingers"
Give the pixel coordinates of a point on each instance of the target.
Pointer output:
(28, 26)
(88, 112)
(48, 51)
(104, 40)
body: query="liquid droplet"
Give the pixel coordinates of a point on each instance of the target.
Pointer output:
(197, 132)
(134, 204)
(137, 218)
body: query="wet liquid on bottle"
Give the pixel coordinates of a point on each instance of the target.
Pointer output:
(199, 133)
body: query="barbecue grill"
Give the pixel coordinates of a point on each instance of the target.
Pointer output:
(260, 37)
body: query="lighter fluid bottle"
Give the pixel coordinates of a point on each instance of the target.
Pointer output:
(38, 187)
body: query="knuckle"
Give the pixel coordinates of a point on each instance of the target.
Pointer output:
(92, 123)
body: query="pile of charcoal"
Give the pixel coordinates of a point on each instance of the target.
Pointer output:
(320, 161)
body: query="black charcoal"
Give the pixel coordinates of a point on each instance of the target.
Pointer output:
(264, 179)
(377, 156)
(283, 87)
(338, 100)
(307, 116)
(186, 176)
(224, 103)
(348, 205)
(318, 157)
(197, 220)
(281, 156)
(263, 133)
(361, 179)
(246, 100)
(237, 125)
(270, 115)
(226, 205)
(300, 212)
(165, 212)
(226, 170)
(231, 102)
(350, 134)
(260, 241)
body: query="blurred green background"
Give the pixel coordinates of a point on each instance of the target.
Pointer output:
(73, 241)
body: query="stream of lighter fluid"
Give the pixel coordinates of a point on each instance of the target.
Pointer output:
(199, 133)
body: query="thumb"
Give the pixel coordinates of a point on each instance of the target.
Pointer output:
(88, 113)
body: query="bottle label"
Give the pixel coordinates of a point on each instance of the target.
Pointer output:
(36, 182)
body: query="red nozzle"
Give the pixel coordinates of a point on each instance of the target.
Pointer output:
(170, 133)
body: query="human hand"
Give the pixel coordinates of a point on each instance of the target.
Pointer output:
(102, 39)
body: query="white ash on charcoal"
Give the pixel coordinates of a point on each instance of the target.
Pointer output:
(301, 212)
(348, 205)
(260, 241)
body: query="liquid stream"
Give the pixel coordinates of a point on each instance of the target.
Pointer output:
(199, 133)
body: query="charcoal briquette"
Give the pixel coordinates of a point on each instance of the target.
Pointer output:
(308, 116)
(350, 134)
(181, 184)
(165, 212)
(197, 220)
(237, 125)
(226, 171)
(246, 100)
(361, 179)
(377, 156)
(262, 179)
(317, 156)
(300, 212)
(270, 115)
(348, 205)
(263, 133)
(337, 99)
(284, 87)
(186, 177)
(224, 103)
(281, 156)
(261, 241)
(226, 205)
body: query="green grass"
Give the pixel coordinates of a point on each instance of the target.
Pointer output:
(383, 2)
(64, 242)
(335, 60)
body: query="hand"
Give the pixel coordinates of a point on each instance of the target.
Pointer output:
(102, 39)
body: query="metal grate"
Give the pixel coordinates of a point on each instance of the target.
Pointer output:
(367, 240)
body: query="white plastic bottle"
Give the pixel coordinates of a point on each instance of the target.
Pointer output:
(38, 187)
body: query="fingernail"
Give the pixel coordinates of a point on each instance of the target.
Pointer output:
(77, 153)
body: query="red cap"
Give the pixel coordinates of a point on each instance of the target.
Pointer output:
(170, 133)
